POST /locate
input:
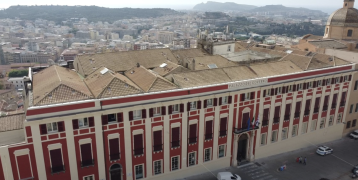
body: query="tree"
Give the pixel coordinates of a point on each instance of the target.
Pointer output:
(18, 73)
(2, 57)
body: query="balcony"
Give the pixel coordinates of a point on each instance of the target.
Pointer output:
(287, 117)
(307, 112)
(334, 105)
(115, 157)
(265, 122)
(276, 119)
(208, 136)
(242, 130)
(316, 110)
(157, 148)
(342, 104)
(139, 151)
(297, 114)
(222, 133)
(87, 163)
(57, 169)
(325, 107)
(175, 144)
(193, 140)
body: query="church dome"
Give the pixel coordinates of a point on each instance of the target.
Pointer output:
(344, 17)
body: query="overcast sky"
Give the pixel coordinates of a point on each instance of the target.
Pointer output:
(176, 4)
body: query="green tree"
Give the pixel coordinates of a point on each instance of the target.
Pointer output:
(2, 57)
(18, 73)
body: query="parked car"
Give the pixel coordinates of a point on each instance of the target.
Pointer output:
(228, 176)
(324, 150)
(355, 168)
(354, 134)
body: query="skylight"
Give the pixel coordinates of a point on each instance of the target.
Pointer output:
(212, 66)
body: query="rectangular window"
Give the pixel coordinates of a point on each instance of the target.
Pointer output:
(175, 137)
(175, 163)
(247, 96)
(139, 172)
(284, 133)
(323, 121)
(310, 84)
(263, 139)
(274, 136)
(313, 125)
(114, 149)
(191, 159)
(304, 127)
(192, 134)
(298, 109)
(319, 83)
(345, 78)
(138, 144)
(325, 103)
(287, 112)
(330, 122)
(339, 118)
(88, 177)
(348, 125)
(208, 130)
(337, 80)
(356, 85)
(111, 118)
(268, 92)
(356, 110)
(157, 111)
(290, 88)
(279, 90)
(316, 105)
(334, 101)
(300, 86)
(158, 167)
(225, 100)
(193, 105)
(328, 81)
(137, 114)
(52, 127)
(157, 141)
(223, 124)
(207, 154)
(229, 48)
(307, 107)
(56, 161)
(294, 130)
(221, 151)
(209, 102)
(83, 122)
(86, 155)
(176, 108)
(276, 117)
(354, 123)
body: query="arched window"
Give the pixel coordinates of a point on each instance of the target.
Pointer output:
(350, 32)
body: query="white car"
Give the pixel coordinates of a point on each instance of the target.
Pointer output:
(228, 176)
(324, 150)
(354, 134)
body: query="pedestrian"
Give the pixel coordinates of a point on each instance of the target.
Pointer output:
(298, 159)
(305, 161)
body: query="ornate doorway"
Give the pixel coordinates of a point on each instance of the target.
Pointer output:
(242, 148)
(116, 172)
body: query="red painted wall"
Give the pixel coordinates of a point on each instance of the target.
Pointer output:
(139, 159)
(86, 170)
(1, 171)
(26, 167)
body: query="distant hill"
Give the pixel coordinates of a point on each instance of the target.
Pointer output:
(92, 13)
(280, 8)
(217, 6)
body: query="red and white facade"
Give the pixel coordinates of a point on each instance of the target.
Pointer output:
(178, 133)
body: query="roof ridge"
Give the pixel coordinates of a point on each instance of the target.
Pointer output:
(58, 74)
(310, 61)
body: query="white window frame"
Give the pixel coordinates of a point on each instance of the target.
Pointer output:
(268, 93)
(209, 102)
(115, 117)
(274, 136)
(176, 108)
(229, 48)
(91, 176)
(339, 118)
(338, 80)
(157, 111)
(84, 122)
(290, 88)
(264, 139)
(51, 126)
(207, 154)
(330, 121)
(294, 130)
(247, 96)
(193, 105)
(322, 123)
(190, 159)
(328, 82)
(223, 146)
(135, 171)
(225, 100)
(137, 114)
(351, 109)
(300, 86)
(177, 163)
(345, 78)
(304, 128)
(155, 167)
(310, 84)
(313, 125)
(279, 90)
(284, 133)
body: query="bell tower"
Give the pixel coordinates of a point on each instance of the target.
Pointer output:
(348, 4)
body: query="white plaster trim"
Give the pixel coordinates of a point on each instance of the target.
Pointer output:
(298, 99)
(345, 90)
(113, 136)
(22, 152)
(54, 146)
(327, 93)
(289, 101)
(308, 97)
(278, 104)
(85, 141)
(246, 110)
(267, 106)
(193, 122)
(174, 125)
(336, 91)
(157, 128)
(138, 131)
(318, 95)
(209, 118)
(224, 115)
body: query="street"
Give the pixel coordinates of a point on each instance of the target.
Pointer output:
(336, 166)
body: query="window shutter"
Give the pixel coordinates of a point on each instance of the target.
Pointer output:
(272, 92)
(215, 101)
(314, 84)
(298, 107)
(230, 99)
(252, 96)
(114, 147)
(209, 127)
(130, 114)
(276, 89)
(188, 106)
(104, 119)
(266, 114)
(56, 158)
(334, 98)
(175, 134)
(264, 95)
(294, 88)
(198, 104)
(75, 124)
(157, 135)
(90, 122)
(343, 99)
(61, 126)
(223, 124)
(119, 117)
(341, 79)
(86, 152)
(350, 78)
(304, 86)
(323, 82)
(326, 99)
(205, 103)
(164, 111)
(170, 109)
(220, 101)
(308, 105)
(151, 112)
(192, 132)
(144, 113)
(138, 141)
(245, 118)
(277, 111)
(316, 104)
(332, 81)
(43, 129)
(242, 97)
(288, 109)
(181, 108)
(283, 89)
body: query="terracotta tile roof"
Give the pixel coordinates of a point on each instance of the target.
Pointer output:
(269, 51)
(13, 122)
(203, 62)
(310, 36)
(110, 84)
(123, 61)
(240, 73)
(57, 85)
(169, 68)
(186, 53)
(148, 81)
(299, 60)
(328, 44)
(275, 68)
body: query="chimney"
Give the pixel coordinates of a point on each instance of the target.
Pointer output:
(138, 65)
(193, 65)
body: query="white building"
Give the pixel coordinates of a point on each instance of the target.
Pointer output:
(17, 82)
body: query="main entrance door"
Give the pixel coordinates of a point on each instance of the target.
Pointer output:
(116, 172)
(242, 148)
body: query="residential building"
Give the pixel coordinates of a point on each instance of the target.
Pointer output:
(18, 83)
(165, 37)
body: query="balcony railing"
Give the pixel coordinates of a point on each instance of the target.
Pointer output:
(334, 105)
(193, 140)
(208, 136)
(57, 169)
(316, 110)
(325, 107)
(87, 163)
(114, 157)
(265, 122)
(175, 144)
(138, 151)
(276, 119)
(158, 147)
(297, 114)
(242, 130)
(223, 133)
(342, 104)
(287, 117)
(307, 112)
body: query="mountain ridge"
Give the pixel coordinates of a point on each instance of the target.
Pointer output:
(217, 6)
